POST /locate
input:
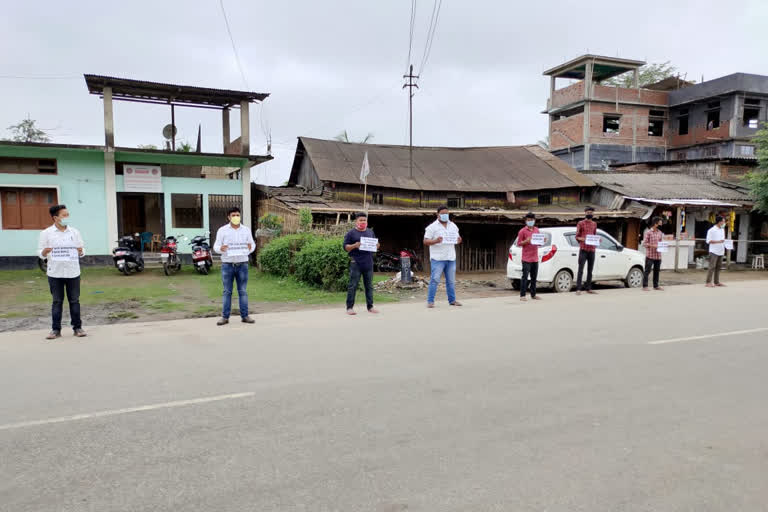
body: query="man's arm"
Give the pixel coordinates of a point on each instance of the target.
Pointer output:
(251, 242)
(580, 232)
(521, 240)
(348, 245)
(217, 244)
(430, 239)
(42, 245)
(80, 244)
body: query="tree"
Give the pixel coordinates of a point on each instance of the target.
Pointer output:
(647, 75)
(184, 147)
(147, 146)
(26, 131)
(344, 137)
(758, 180)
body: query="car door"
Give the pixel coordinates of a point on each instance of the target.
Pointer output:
(610, 263)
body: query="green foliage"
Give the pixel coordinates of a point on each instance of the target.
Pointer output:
(184, 147)
(147, 146)
(305, 219)
(647, 75)
(324, 263)
(26, 131)
(278, 256)
(344, 137)
(758, 180)
(272, 223)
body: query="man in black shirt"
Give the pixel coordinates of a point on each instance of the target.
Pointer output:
(360, 263)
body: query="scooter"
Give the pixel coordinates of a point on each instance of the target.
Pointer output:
(169, 255)
(201, 254)
(127, 255)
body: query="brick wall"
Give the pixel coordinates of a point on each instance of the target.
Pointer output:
(567, 95)
(564, 129)
(604, 92)
(625, 136)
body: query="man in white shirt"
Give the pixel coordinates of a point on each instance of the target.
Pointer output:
(235, 243)
(62, 246)
(716, 241)
(441, 237)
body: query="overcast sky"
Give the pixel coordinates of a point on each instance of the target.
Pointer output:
(338, 64)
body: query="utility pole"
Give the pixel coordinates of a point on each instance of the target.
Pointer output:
(410, 85)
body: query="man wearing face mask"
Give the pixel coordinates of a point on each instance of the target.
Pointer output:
(235, 243)
(441, 237)
(530, 257)
(716, 241)
(62, 246)
(586, 252)
(652, 256)
(360, 263)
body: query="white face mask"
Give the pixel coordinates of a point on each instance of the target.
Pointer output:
(64, 221)
(443, 217)
(530, 223)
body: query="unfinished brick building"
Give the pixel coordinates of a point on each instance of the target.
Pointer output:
(593, 126)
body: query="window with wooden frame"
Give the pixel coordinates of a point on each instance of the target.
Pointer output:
(187, 210)
(26, 208)
(545, 198)
(377, 198)
(454, 202)
(28, 165)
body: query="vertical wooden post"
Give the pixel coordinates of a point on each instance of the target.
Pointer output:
(678, 229)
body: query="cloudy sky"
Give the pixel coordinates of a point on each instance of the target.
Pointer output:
(338, 64)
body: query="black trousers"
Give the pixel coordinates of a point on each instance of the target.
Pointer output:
(354, 279)
(529, 269)
(587, 257)
(58, 286)
(656, 265)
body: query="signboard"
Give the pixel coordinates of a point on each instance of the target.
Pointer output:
(238, 249)
(142, 178)
(368, 244)
(593, 240)
(451, 238)
(663, 247)
(728, 243)
(64, 254)
(538, 239)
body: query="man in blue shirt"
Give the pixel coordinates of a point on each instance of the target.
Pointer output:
(360, 263)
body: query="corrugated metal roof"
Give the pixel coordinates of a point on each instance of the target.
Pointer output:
(488, 169)
(667, 186)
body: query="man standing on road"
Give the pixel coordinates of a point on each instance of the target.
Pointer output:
(235, 243)
(62, 246)
(530, 257)
(586, 252)
(716, 241)
(441, 237)
(360, 263)
(652, 256)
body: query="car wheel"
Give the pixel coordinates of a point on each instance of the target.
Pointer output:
(515, 283)
(634, 278)
(563, 282)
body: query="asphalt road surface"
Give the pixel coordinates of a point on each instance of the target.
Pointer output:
(623, 401)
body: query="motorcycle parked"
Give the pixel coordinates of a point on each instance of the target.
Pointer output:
(169, 255)
(127, 255)
(390, 262)
(201, 254)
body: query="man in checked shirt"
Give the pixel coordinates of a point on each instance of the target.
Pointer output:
(652, 257)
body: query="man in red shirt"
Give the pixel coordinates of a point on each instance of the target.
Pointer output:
(530, 257)
(652, 256)
(586, 252)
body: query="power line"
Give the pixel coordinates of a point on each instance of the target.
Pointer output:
(431, 34)
(410, 39)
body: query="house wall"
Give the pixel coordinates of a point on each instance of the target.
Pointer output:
(633, 126)
(307, 177)
(625, 95)
(80, 185)
(567, 95)
(567, 132)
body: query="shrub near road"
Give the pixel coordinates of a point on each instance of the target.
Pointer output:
(278, 256)
(324, 263)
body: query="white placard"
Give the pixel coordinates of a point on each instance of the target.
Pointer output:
(450, 238)
(593, 240)
(538, 239)
(238, 249)
(368, 244)
(662, 247)
(728, 243)
(142, 178)
(64, 254)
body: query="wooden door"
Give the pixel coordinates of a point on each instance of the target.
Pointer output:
(133, 215)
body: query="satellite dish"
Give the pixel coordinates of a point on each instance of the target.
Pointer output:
(169, 131)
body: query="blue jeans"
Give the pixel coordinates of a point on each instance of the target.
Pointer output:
(438, 269)
(234, 272)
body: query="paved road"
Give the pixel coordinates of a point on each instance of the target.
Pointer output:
(560, 405)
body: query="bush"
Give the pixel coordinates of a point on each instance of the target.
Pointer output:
(270, 224)
(323, 262)
(278, 256)
(305, 219)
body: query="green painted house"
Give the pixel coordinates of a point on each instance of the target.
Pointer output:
(112, 191)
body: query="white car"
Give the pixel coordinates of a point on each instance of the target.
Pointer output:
(559, 261)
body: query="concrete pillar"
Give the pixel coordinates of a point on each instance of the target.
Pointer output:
(678, 227)
(742, 246)
(245, 171)
(225, 128)
(636, 78)
(109, 124)
(588, 68)
(690, 227)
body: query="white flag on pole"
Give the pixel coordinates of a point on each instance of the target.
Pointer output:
(366, 170)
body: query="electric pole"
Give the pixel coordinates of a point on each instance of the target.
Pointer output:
(410, 85)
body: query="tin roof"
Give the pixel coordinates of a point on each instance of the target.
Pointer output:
(668, 186)
(479, 169)
(156, 92)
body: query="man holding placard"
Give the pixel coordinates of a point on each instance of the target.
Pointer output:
(654, 244)
(530, 240)
(62, 246)
(361, 243)
(586, 234)
(716, 240)
(441, 237)
(235, 243)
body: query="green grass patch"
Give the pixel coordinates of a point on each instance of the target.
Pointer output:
(14, 314)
